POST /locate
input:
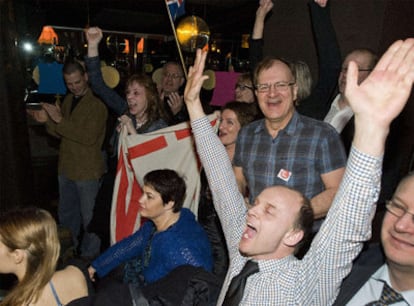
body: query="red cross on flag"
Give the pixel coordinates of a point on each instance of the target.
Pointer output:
(168, 148)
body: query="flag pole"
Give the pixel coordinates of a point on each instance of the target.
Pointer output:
(176, 40)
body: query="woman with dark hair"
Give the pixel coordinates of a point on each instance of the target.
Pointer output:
(171, 237)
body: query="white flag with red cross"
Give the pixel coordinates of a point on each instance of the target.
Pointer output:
(169, 148)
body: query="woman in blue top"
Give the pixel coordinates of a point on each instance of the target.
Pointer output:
(170, 238)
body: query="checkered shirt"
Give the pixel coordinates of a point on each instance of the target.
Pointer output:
(314, 280)
(304, 150)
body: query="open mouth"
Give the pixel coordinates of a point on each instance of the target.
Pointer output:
(249, 232)
(274, 102)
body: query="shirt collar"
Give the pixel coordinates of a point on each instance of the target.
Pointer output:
(383, 275)
(270, 265)
(290, 129)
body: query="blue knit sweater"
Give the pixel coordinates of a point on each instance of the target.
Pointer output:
(183, 243)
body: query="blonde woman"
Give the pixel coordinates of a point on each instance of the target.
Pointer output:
(29, 249)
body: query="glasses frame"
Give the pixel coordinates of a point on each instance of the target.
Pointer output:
(172, 76)
(398, 210)
(242, 87)
(345, 69)
(279, 86)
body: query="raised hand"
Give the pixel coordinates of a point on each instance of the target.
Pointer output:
(265, 6)
(93, 36)
(321, 3)
(193, 87)
(383, 94)
(175, 102)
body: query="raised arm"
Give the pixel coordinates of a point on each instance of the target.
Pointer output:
(256, 41)
(329, 62)
(109, 96)
(228, 201)
(265, 6)
(375, 102)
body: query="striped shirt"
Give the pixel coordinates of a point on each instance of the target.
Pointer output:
(314, 280)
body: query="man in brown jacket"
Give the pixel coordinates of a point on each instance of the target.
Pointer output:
(80, 124)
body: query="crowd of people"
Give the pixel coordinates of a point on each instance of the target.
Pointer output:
(289, 185)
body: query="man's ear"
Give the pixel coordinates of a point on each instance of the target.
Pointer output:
(295, 93)
(293, 237)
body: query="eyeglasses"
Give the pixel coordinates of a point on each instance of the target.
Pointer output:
(398, 210)
(172, 75)
(345, 69)
(279, 86)
(243, 87)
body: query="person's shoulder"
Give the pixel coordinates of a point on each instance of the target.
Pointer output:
(371, 254)
(312, 123)
(187, 219)
(251, 127)
(70, 284)
(187, 216)
(156, 125)
(70, 273)
(94, 101)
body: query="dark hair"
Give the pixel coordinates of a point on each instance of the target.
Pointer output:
(407, 177)
(172, 63)
(245, 77)
(169, 184)
(245, 112)
(154, 109)
(71, 65)
(304, 222)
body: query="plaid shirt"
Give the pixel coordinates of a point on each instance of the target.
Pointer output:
(314, 280)
(301, 152)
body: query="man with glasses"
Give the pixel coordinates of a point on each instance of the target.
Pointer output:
(390, 270)
(286, 148)
(263, 239)
(171, 82)
(340, 113)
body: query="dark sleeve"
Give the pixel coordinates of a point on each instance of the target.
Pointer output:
(329, 64)
(108, 95)
(255, 52)
(181, 116)
(367, 262)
